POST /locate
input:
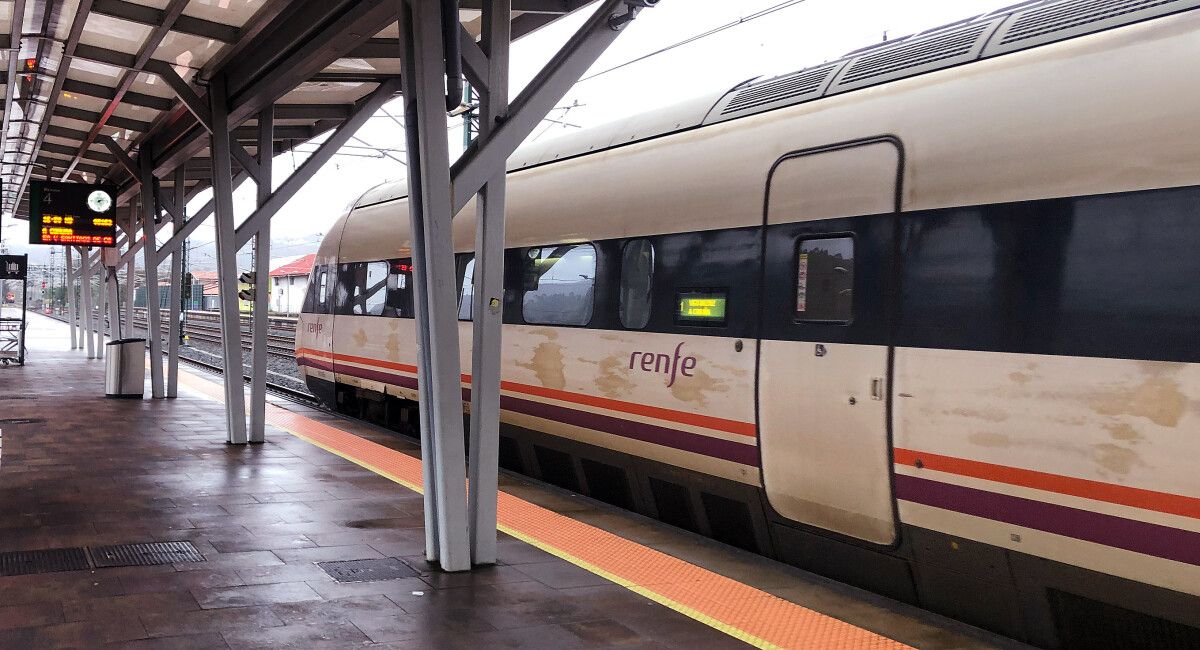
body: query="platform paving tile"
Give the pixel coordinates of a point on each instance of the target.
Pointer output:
(202, 641)
(209, 620)
(336, 635)
(327, 553)
(261, 543)
(248, 595)
(263, 575)
(30, 615)
(398, 588)
(203, 579)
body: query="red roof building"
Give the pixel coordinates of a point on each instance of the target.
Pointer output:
(300, 266)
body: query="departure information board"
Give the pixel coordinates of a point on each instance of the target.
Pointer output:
(78, 214)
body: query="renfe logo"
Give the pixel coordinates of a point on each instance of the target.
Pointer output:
(665, 364)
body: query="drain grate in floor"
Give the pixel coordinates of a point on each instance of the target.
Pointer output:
(144, 554)
(388, 568)
(50, 560)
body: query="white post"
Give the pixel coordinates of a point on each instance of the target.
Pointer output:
(262, 277)
(114, 304)
(227, 273)
(176, 292)
(85, 298)
(72, 312)
(150, 261)
(102, 305)
(487, 307)
(130, 270)
(433, 257)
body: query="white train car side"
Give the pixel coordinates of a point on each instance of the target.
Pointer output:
(933, 333)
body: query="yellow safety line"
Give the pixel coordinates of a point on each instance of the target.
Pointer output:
(733, 608)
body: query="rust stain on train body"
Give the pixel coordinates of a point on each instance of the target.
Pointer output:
(547, 364)
(1157, 399)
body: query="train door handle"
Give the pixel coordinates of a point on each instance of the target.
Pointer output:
(877, 388)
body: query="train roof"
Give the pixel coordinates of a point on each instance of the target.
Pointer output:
(1011, 29)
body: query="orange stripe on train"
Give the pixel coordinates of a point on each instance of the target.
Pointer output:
(1165, 502)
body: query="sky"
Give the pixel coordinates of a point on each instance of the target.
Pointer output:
(675, 51)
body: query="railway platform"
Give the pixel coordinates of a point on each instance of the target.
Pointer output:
(240, 540)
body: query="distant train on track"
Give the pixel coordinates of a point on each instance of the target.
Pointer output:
(924, 319)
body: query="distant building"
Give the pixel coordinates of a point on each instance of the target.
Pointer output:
(212, 297)
(289, 283)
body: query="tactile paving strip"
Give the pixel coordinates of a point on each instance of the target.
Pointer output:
(737, 609)
(147, 554)
(50, 560)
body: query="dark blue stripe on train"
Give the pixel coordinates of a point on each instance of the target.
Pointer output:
(1115, 275)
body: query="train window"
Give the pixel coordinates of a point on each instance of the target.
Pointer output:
(399, 290)
(375, 294)
(323, 291)
(825, 279)
(559, 284)
(353, 290)
(466, 294)
(637, 271)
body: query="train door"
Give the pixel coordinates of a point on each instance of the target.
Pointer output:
(824, 359)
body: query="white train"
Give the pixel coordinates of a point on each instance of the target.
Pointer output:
(923, 319)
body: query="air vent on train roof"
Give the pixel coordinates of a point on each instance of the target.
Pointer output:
(915, 55)
(1056, 21)
(790, 89)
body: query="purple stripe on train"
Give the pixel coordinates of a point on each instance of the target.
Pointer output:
(1118, 532)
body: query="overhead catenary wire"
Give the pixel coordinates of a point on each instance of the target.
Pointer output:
(697, 37)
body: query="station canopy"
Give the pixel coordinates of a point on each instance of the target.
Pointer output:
(80, 72)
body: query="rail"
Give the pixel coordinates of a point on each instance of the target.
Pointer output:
(206, 326)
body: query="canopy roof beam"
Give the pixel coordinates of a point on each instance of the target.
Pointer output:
(81, 15)
(289, 55)
(132, 98)
(166, 19)
(271, 205)
(14, 44)
(144, 15)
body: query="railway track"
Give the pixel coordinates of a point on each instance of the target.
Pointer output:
(283, 391)
(206, 326)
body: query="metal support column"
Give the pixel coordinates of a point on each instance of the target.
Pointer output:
(150, 261)
(262, 276)
(442, 448)
(102, 305)
(176, 293)
(488, 299)
(114, 303)
(130, 270)
(227, 272)
(96, 275)
(85, 299)
(72, 312)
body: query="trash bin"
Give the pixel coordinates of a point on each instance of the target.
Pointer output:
(125, 368)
